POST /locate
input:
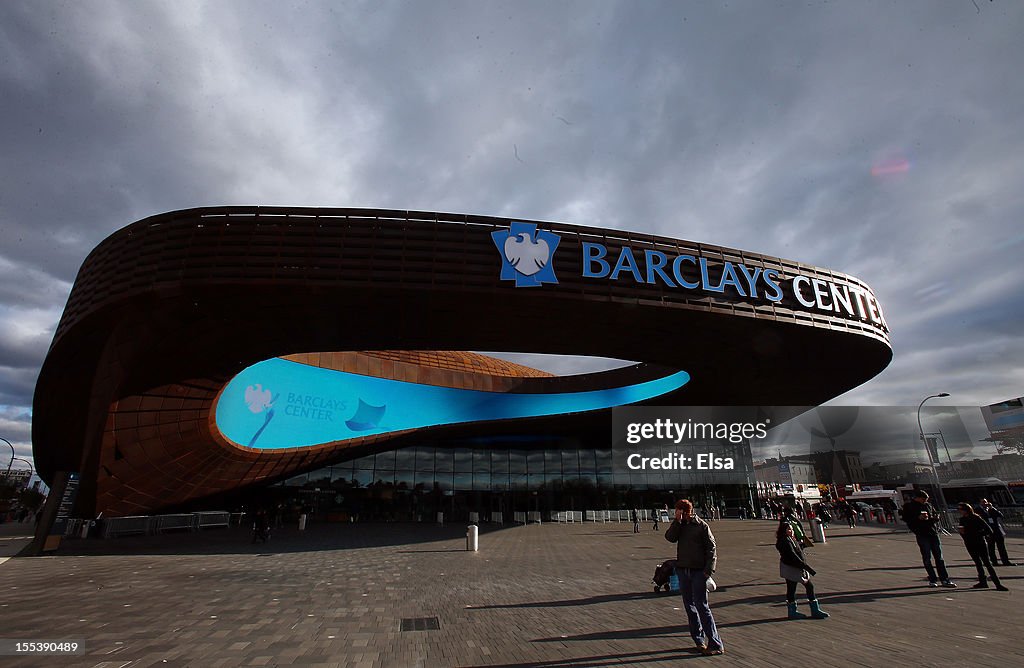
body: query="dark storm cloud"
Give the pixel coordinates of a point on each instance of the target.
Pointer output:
(881, 140)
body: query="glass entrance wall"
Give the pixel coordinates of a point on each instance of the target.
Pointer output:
(498, 475)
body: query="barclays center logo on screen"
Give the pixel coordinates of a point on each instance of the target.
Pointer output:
(526, 254)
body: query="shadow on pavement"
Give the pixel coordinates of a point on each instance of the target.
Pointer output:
(591, 600)
(605, 660)
(777, 599)
(238, 540)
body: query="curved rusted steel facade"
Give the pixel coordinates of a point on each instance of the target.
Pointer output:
(167, 310)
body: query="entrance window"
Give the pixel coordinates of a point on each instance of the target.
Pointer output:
(424, 459)
(517, 462)
(463, 481)
(588, 463)
(444, 461)
(405, 459)
(570, 462)
(463, 460)
(535, 462)
(552, 462)
(499, 461)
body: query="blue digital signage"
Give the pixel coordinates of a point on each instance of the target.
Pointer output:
(282, 404)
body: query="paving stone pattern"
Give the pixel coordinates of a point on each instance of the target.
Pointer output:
(553, 596)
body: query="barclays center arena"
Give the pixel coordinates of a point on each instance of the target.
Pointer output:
(319, 358)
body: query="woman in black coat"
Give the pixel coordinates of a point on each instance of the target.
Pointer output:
(973, 529)
(793, 568)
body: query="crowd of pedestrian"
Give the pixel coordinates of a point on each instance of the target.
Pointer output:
(697, 552)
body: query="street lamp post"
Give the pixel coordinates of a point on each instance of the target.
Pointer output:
(11, 463)
(931, 460)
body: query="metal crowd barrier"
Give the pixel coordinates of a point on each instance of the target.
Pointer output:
(164, 523)
(149, 525)
(126, 526)
(207, 519)
(497, 518)
(73, 528)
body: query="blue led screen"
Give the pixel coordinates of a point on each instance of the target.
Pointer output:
(282, 404)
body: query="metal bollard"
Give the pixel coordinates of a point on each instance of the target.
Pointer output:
(302, 522)
(472, 538)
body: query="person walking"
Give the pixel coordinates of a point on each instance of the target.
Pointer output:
(994, 518)
(696, 558)
(922, 518)
(636, 521)
(851, 515)
(260, 527)
(974, 530)
(889, 507)
(654, 516)
(822, 514)
(790, 518)
(794, 569)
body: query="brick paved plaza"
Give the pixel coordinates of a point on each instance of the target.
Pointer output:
(552, 596)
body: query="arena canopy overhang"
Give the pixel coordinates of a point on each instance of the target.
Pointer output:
(167, 311)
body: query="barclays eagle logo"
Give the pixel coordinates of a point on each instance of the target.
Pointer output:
(526, 254)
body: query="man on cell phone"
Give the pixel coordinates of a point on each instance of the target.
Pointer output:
(993, 517)
(922, 518)
(696, 557)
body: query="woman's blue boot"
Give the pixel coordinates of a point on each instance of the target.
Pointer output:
(816, 610)
(794, 613)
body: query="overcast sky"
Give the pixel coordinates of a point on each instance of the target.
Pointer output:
(881, 434)
(880, 139)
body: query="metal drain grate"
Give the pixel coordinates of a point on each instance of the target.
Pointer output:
(420, 624)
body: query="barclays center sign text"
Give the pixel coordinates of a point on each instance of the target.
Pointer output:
(528, 259)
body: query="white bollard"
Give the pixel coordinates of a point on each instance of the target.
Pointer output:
(472, 538)
(302, 522)
(818, 530)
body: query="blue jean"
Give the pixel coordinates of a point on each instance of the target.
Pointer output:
(694, 586)
(930, 545)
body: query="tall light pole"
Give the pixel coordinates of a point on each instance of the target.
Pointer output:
(931, 461)
(12, 455)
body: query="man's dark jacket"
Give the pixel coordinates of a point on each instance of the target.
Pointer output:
(992, 516)
(695, 544)
(912, 516)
